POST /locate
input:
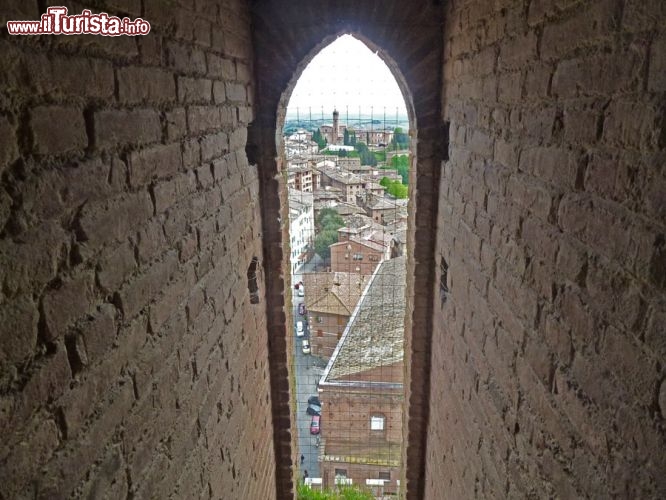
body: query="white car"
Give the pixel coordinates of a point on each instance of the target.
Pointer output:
(306, 346)
(299, 329)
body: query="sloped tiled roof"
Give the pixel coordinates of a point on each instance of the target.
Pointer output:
(375, 336)
(366, 243)
(333, 293)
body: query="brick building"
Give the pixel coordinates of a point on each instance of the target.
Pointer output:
(362, 386)
(330, 301)
(357, 255)
(301, 176)
(142, 258)
(350, 184)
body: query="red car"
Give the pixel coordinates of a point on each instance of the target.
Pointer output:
(314, 425)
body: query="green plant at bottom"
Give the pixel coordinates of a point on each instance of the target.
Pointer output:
(339, 493)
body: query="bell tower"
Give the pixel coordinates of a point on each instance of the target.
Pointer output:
(336, 127)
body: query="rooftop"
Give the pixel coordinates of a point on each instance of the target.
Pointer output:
(333, 293)
(370, 243)
(341, 175)
(299, 201)
(383, 204)
(374, 337)
(377, 453)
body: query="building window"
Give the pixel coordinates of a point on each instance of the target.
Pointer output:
(319, 319)
(377, 423)
(386, 476)
(358, 256)
(340, 472)
(320, 333)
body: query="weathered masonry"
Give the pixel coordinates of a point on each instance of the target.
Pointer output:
(142, 269)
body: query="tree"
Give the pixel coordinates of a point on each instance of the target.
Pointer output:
(399, 190)
(394, 188)
(367, 157)
(324, 240)
(401, 164)
(319, 139)
(352, 139)
(328, 221)
(345, 141)
(400, 139)
(328, 218)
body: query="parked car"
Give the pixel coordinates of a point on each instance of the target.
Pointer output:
(313, 409)
(301, 291)
(301, 309)
(299, 329)
(315, 424)
(306, 346)
(314, 400)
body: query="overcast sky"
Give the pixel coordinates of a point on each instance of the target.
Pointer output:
(344, 74)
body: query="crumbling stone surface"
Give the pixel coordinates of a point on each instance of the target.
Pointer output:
(131, 358)
(548, 364)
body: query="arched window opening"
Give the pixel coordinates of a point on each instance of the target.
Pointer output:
(346, 155)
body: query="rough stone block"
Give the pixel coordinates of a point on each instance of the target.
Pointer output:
(202, 118)
(8, 144)
(119, 127)
(115, 265)
(112, 220)
(63, 305)
(236, 92)
(168, 194)
(99, 332)
(18, 329)
(219, 92)
(150, 241)
(214, 145)
(133, 296)
(597, 74)
(195, 90)
(220, 67)
(176, 121)
(58, 129)
(139, 84)
(583, 28)
(154, 162)
(185, 59)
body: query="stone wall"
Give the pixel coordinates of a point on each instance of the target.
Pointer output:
(548, 358)
(131, 358)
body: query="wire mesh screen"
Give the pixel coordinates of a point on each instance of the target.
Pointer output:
(348, 186)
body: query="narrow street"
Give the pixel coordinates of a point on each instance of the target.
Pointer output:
(308, 370)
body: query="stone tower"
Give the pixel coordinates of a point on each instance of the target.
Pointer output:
(336, 127)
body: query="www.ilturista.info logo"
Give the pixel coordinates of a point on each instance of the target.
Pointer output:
(56, 22)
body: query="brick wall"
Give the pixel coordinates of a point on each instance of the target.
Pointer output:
(131, 359)
(548, 361)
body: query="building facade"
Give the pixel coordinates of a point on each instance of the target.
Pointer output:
(330, 301)
(356, 256)
(301, 227)
(362, 387)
